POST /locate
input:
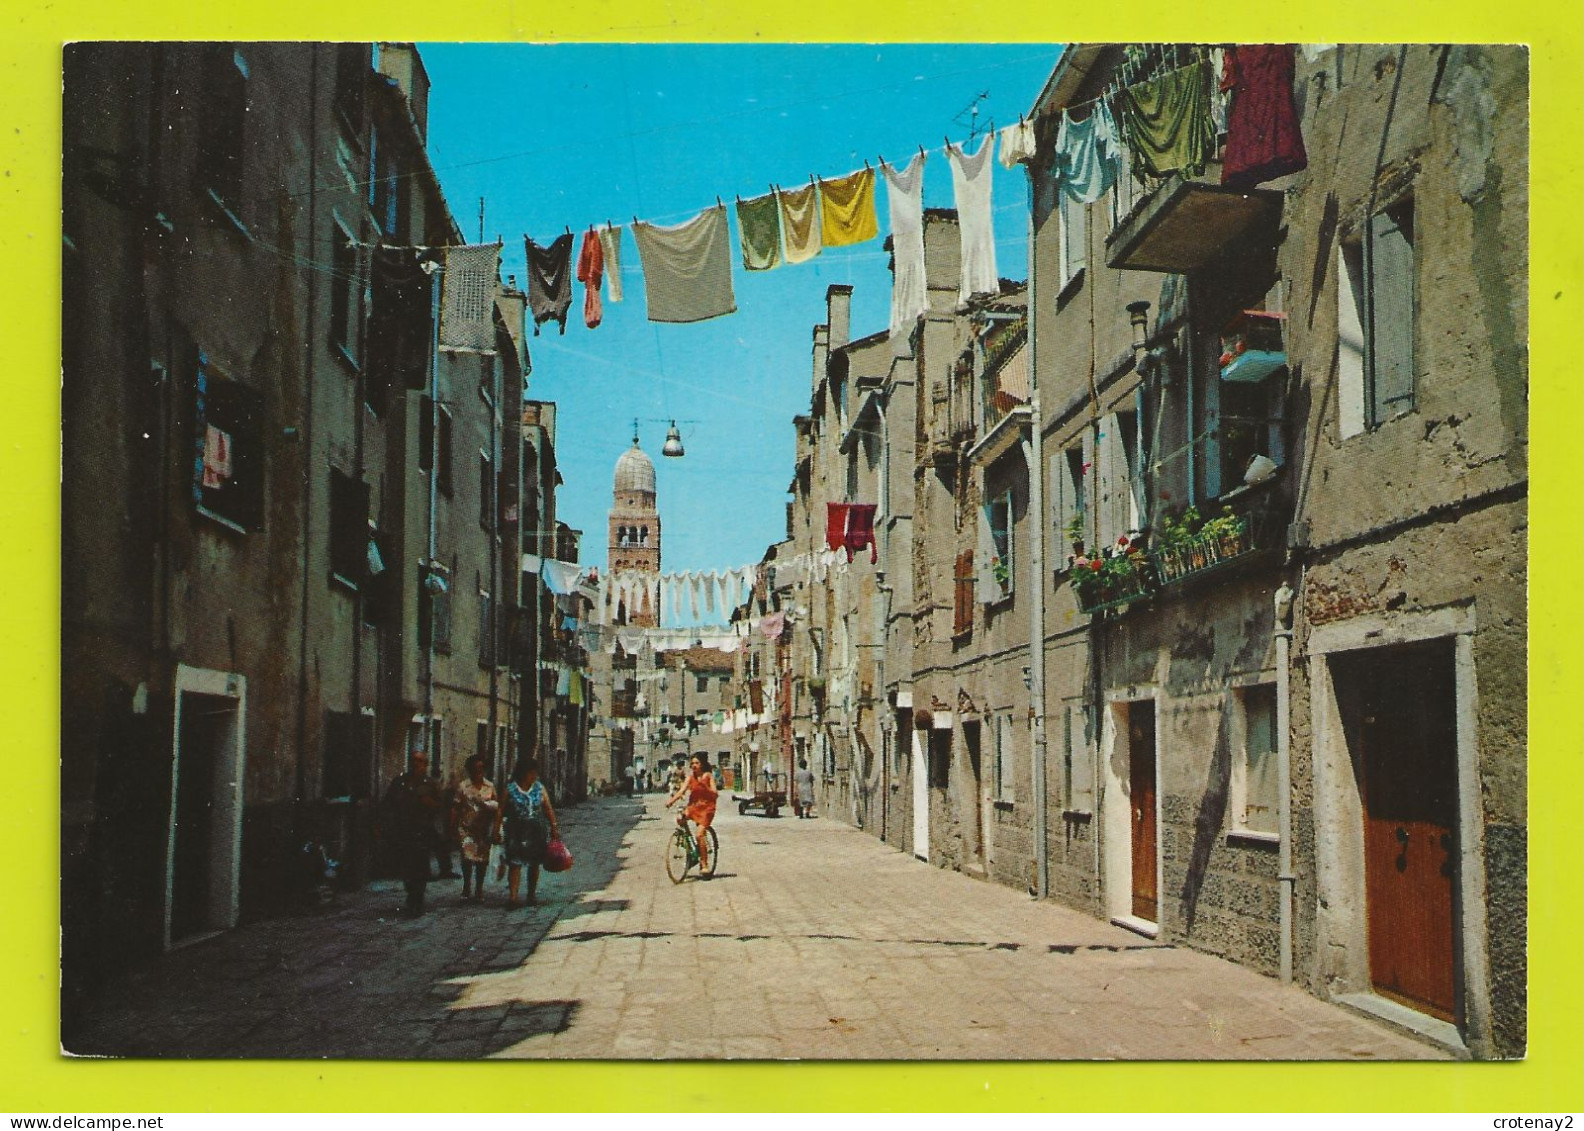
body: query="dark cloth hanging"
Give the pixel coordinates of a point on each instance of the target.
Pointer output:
(401, 318)
(836, 526)
(860, 531)
(591, 273)
(1166, 122)
(756, 697)
(1264, 139)
(550, 280)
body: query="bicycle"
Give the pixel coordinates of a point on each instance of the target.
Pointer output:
(682, 851)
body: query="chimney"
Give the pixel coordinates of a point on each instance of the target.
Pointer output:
(838, 314)
(400, 61)
(942, 258)
(821, 352)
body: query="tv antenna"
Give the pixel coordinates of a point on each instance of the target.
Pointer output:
(969, 115)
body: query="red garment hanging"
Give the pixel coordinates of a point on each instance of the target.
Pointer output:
(836, 526)
(1264, 139)
(591, 273)
(860, 531)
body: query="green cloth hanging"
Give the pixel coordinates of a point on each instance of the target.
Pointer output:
(759, 228)
(1166, 122)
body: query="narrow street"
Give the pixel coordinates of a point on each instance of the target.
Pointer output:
(813, 942)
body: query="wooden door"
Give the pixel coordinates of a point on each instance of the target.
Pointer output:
(1141, 795)
(1407, 742)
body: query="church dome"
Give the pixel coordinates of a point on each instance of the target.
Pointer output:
(635, 471)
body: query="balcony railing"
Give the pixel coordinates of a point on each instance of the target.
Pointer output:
(1219, 542)
(1113, 586)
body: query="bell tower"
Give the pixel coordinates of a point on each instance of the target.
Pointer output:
(634, 525)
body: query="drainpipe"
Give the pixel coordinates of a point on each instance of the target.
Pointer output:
(1284, 867)
(1034, 456)
(435, 280)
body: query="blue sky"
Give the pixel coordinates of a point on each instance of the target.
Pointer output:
(559, 136)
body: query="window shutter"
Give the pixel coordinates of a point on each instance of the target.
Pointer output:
(1350, 341)
(1391, 316)
(1059, 490)
(984, 578)
(1009, 559)
(1110, 488)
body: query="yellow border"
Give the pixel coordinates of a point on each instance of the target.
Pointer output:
(34, 1078)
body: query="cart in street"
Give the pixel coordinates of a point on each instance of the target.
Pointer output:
(769, 796)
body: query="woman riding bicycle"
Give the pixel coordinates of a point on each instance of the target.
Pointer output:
(700, 787)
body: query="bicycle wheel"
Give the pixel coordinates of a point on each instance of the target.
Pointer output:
(677, 853)
(714, 852)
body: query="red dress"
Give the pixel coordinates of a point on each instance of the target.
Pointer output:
(701, 799)
(1264, 140)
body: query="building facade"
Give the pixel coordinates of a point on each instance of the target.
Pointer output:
(269, 506)
(1203, 610)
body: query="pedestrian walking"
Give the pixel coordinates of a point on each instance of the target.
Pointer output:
(530, 822)
(804, 780)
(476, 819)
(408, 813)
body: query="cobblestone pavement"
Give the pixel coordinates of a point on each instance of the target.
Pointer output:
(813, 941)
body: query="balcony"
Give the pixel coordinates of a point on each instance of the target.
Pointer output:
(1185, 225)
(1190, 548)
(1116, 582)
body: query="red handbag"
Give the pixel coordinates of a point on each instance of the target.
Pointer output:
(557, 858)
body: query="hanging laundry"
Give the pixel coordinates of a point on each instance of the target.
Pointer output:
(1220, 94)
(860, 531)
(770, 627)
(1088, 155)
(590, 272)
(800, 222)
(467, 297)
(401, 317)
(559, 577)
(1264, 139)
(693, 593)
(563, 681)
(847, 209)
(1166, 122)
(720, 593)
(576, 696)
(708, 582)
(610, 248)
(756, 696)
(971, 177)
(652, 596)
(674, 585)
(687, 268)
(835, 525)
(1017, 144)
(759, 232)
(216, 457)
(905, 200)
(550, 280)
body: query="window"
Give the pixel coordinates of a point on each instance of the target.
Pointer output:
(1073, 236)
(434, 442)
(223, 129)
(1376, 297)
(1077, 762)
(381, 600)
(387, 202)
(940, 741)
(486, 491)
(1120, 505)
(349, 529)
(346, 293)
(997, 569)
(228, 464)
(486, 630)
(963, 594)
(1067, 499)
(352, 65)
(1125, 193)
(1255, 794)
(703, 684)
(348, 754)
(1003, 758)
